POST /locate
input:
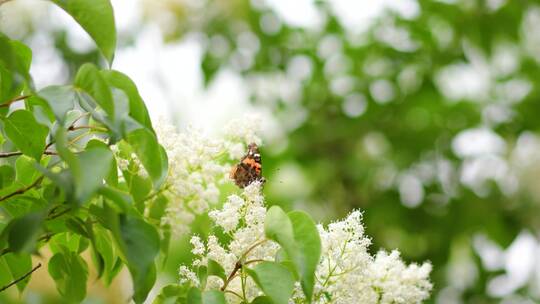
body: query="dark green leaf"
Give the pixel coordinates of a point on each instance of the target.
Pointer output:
(140, 243)
(24, 231)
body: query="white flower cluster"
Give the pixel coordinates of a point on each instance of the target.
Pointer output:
(242, 218)
(198, 165)
(346, 274)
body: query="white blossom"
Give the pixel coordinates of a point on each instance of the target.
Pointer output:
(346, 274)
(198, 165)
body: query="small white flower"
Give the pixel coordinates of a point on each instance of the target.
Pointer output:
(198, 246)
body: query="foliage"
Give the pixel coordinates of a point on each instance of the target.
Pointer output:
(377, 116)
(61, 182)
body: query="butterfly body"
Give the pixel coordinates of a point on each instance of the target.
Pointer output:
(249, 169)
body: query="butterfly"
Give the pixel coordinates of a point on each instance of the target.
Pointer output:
(249, 169)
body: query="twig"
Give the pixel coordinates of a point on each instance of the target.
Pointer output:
(16, 153)
(237, 267)
(52, 216)
(94, 128)
(22, 190)
(239, 263)
(44, 238)
(21, 278)
(9, 102)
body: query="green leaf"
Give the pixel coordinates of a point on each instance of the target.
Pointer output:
(262, 300)
(61, 99)
(26, 133)
(20, 205)
(278, 227)
(70, 273)
(137, 108)
(94, 165)
(170, 294)
(202, 275)
(7, 87)
(308, 243)
(121, 199)
(213, 297)
(298, 236)
(15, 57)
(19, 265)
(102, 250)
(24, 232)
(140, 243)
(194, 296)
(92, 82)
(274, 279)
(215, 269)
(25, 171)
(7, 176)
(150, 153)
(97, 18)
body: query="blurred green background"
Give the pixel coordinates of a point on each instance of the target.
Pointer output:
(423, 114)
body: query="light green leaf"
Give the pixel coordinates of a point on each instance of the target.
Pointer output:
(215, 269)
(19, 265)
(170, 294)
(194, 296)
(278, 227)
(26, 133)
(70, 273)
(262, 300)
(298, 236)
(92, 82)
(61, 99)
(137, 108)
(274, 279)
(213, 297)
(308, 243)
(94, 165)
(97, 18)
(150, 153)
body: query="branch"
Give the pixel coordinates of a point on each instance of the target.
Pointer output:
(21, 278)
(22, 190)
(9, 102)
